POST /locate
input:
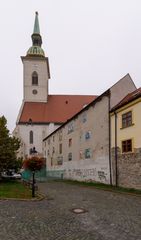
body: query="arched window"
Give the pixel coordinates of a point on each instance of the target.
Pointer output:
(31, 137)
(34, 78)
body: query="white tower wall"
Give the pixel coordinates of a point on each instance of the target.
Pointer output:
(40, 66)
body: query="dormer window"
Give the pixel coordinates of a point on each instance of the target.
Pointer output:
(34, 78)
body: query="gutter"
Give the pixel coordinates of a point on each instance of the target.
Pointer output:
(116, 156)
(110, 167)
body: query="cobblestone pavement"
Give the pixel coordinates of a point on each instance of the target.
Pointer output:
(109, 216)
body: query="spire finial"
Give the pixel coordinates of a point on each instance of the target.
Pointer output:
(36, 37)
(36, 24)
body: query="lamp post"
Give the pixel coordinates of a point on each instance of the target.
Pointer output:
(33, 175)
(33, 164)
(33, 183)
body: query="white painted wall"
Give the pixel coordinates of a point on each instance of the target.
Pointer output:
(40, 66)
(39, 133)
(97, 167)
(80, 168)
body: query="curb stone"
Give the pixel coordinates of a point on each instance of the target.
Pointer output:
(39, 197)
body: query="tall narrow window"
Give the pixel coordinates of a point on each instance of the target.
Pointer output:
(60, 148)
(70, 156)
(70, 127)
(34, 78)
(31, 137)
(70, 142)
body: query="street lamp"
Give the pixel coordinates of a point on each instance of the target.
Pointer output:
(33, 174)
(33, 183)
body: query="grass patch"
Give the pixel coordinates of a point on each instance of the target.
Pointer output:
(14, 189)
(103, 186)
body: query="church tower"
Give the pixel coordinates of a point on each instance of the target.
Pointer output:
(35, 69)
(41, 113)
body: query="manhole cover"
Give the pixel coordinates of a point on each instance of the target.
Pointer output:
(78, 210)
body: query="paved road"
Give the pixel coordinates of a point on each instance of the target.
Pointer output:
(109, 216)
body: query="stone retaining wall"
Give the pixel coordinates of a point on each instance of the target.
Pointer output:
(128, 168)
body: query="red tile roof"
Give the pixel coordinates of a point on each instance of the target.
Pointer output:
(128, 98)
(58, 109)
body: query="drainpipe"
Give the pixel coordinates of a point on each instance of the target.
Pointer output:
(116, 156)
(110, 142)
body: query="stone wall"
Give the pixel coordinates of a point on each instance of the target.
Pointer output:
(128, 168)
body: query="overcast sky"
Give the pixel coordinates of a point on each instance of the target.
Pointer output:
(91, 44)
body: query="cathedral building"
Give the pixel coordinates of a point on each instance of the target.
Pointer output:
(41, 113)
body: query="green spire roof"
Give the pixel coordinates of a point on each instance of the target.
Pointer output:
(36, 49)
(36, 24)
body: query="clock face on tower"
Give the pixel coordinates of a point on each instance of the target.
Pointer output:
(34, 91)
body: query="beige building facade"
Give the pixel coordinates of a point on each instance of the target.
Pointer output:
(126, 141)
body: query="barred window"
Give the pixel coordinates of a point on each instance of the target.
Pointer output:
(127, 146)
